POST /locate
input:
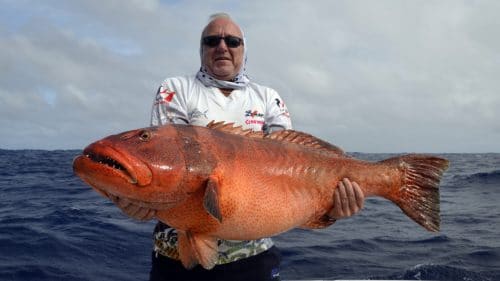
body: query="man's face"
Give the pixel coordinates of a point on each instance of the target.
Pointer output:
(221, 61)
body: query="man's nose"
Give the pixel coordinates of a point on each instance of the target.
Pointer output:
(222, 45)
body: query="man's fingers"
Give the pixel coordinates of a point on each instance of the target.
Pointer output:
(132, 210)
(351, 196)
(344, 187)
(143, 214)
(348, 199)
(336, 211)
(151, 213)
(360, 196)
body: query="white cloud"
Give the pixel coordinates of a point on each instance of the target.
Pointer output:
(372, 76)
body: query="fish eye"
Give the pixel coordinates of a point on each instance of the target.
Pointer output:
(145, 135)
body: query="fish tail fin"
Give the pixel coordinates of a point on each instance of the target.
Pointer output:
(418, 196)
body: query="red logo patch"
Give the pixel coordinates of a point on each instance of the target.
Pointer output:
(168, 95)
(164, 96)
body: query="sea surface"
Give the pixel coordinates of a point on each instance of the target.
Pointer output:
(54, 227)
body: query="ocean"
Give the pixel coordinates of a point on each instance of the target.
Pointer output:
(55, 227)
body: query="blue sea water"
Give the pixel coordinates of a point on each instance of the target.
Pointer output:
(54, 227)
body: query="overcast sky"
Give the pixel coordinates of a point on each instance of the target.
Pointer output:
(368, 76)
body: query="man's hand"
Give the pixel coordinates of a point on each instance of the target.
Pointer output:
(348, 200)
(133, 211)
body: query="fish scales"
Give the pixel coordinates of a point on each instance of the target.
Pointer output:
(257, 184)
(270, 184)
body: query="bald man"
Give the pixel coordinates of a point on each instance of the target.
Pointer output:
(221, 91)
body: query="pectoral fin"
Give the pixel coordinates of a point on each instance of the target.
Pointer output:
(197, 249)
(211, 198)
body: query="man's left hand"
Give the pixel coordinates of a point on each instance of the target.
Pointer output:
(348, 200)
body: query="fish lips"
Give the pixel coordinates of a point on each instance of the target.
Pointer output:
(104, 168)
(112, 161)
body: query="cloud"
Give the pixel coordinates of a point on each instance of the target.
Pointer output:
(384, 76)
(401, 74)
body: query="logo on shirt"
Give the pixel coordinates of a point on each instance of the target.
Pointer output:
(275, 273)
(253, 114)
(281, 105)
(164, 96)
(254, 117)
(198, 114)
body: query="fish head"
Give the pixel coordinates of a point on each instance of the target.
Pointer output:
(143, 166)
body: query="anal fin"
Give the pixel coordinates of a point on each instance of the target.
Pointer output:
(197, 249)
(321, 222)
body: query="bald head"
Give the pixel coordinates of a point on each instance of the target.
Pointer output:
(222, 21)
(221, 61)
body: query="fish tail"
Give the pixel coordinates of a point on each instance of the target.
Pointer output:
(418, 196)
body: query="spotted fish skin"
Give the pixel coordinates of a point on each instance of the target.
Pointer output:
(223, 182)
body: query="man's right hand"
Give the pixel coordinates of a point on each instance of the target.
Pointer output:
(132, 210)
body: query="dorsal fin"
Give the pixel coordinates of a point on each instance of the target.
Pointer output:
(289, 136)
(305, 139)
(230, 128)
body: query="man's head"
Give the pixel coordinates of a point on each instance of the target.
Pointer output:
(222, 58)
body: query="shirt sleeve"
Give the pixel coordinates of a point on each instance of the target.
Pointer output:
(169, 105)
(277, 117)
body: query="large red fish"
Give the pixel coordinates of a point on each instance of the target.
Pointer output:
(224, 182)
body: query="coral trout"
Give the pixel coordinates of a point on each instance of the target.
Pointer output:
(223, 182)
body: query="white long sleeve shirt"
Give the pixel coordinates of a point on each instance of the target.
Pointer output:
(185, 100)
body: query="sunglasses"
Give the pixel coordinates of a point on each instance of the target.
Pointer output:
(214, 41)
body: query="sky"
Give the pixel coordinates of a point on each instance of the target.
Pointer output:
(394, 76)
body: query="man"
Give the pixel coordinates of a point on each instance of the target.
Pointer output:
(221, 91)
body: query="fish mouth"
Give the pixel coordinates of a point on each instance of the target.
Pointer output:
(114, 164)
(127, 167)
(115, 174)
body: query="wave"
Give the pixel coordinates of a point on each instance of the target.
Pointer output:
(492, 177)
(54, 227)
(441, 272)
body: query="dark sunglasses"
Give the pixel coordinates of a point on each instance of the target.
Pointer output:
(214, 41)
